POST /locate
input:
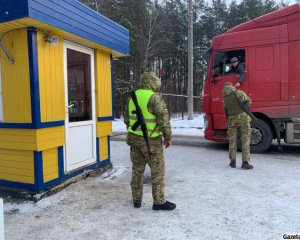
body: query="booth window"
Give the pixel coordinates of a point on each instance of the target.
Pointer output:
(1, 105)
(222, 64)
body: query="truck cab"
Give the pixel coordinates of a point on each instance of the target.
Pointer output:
(269, 49)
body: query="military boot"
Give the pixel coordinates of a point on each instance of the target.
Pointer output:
(137, 204)
(167, 206)
(232, 163)
(246, 165)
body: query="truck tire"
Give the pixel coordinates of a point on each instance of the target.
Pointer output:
(261, 137)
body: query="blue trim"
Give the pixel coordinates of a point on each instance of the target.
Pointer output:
(13, 9)
(108, 143)
(34, 77)
(112, 86)
(98, 150)
(16, 125)
(38, 171)
(51, 124)
(104, 163)
(61, 163)
(18, 185)
(101, 119)
(31, 126)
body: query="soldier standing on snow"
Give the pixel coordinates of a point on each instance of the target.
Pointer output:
(238, 120)
(146, 146)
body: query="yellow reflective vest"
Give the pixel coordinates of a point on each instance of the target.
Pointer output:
(143, 97)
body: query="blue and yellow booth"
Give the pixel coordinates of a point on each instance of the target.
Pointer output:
(56, 90)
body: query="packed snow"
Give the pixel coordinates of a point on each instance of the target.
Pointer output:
(183, 127)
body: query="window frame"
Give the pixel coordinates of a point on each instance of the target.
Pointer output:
(240, 53)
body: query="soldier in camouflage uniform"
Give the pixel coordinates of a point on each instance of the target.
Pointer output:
(157, 121)
(237, 120)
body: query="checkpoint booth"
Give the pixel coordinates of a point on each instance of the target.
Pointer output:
(56, 90)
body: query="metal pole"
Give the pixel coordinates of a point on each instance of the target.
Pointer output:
(1, 220)
(190, 62)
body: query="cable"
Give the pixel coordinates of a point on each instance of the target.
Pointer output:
(8, 55)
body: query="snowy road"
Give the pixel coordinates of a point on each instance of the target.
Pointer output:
(213, 200)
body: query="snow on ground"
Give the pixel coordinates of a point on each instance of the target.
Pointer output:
(213, 200)
(184, 126)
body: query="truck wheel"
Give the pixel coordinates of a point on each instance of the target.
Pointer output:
(261, 137)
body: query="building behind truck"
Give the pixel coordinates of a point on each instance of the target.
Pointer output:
(269, 48)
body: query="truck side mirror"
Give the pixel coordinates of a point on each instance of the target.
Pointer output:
(227, 69)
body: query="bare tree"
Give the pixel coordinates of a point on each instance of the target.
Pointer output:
(152, 43)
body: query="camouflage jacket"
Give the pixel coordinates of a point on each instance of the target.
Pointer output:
(230, 103)
(156, 106)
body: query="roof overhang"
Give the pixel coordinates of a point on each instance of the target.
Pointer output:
(70, 19)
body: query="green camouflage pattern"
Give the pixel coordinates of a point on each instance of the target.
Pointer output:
(237, 121)
(149, 80)
(138, 149)
(139, 158)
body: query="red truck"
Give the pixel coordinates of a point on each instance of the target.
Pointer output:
(269, 49)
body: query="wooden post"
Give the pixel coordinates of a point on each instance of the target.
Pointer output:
(1, 220)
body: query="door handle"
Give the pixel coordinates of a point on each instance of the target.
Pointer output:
(68, 107)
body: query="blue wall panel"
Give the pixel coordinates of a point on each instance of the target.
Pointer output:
(74, 17)
(13, 9)
(70, 16)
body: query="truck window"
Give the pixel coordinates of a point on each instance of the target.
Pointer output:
(222, 63)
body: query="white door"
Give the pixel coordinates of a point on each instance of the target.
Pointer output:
(80, 125)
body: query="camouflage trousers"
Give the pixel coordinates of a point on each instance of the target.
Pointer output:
(241, 124)
(140, 158)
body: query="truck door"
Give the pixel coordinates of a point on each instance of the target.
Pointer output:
(222, 73)
(265, 68)
(294, 80)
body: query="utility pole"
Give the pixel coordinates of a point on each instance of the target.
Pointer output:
(190, 62)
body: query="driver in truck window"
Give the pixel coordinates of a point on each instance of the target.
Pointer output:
(238, 68)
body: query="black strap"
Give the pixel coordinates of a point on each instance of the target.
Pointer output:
(140, 122)
(244, 107)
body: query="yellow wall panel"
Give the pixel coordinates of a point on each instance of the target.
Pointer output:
(103, 84)
(19, 139)
(104, 128)
(16, 79)
(16, 165)
(103, 146)
(32, 139)
(50, 164)
(51, 75)
(50, 138)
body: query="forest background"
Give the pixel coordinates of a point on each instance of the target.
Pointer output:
(159, 42)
